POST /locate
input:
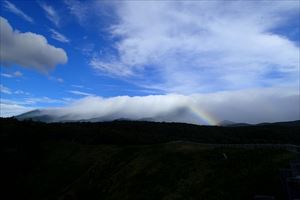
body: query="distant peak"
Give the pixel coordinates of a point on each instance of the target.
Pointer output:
(226, 122)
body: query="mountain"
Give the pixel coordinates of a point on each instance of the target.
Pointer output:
(35, 115)
(58, 115)
(228, 123)
(50, 116)
(29, 114)
(288, 123)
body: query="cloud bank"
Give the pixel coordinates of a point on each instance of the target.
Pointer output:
(28, 49)
(251, 106)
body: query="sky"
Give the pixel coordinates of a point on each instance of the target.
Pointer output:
(190, 61)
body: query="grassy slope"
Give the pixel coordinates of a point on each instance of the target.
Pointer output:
(159, 171)
(131, 160)
(132, 132)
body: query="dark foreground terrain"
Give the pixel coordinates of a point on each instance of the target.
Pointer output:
(142, 160)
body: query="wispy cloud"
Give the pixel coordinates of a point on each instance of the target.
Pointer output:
(5, 90)
(111, 67)
(10, 101)
(91, 13)
(18, 74)
(9, 110)
(57, 79)
(78, 86)
(12, 8)
(12, 75)
(76, 92)
(81, 87)
(60, 80)
(51, 14)
(202, 46)
(31, 101)
(78, 9)
(11, 107)
(58, 36)
(21, 92)
(6, 75)
(44, 100)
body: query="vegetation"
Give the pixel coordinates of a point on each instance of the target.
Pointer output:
(138, 160)
(139, 132)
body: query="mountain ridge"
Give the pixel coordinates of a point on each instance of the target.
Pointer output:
(38, 115)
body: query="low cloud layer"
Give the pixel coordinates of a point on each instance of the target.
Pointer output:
(251, 106)
(28, 49)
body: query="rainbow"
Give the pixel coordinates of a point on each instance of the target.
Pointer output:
(204, 115)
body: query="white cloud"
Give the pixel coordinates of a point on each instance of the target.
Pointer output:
(57, 79)
(6, 75)
(51, 13)
(78, 86)
(12, 8)
(4, 89)
(76, 92)
(9, 110)
(18, 74)
(87, 12)
(60, 80)
(37, 100)
(202, 46)
(112, 67)
(9, 107)
(252, 106)
(58, 36)
(21, 92)
(28, 49)
(78, 9)
(11, 75)
(29, 101)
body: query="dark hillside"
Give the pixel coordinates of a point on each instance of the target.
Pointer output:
(138, 132)
(140, 160)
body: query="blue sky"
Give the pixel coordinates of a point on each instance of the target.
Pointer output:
(58, 53)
